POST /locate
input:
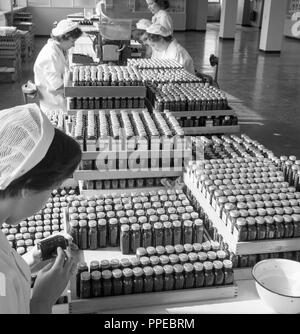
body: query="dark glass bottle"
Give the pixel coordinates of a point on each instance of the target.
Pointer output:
(138, 281)
(178, 277)
(219, 275)
(228, 272)
(81, 268)
(158, 279)
(169, 278)
(135, 237)
(288, 226)
(125, 240)
(146, 235)
(198, 231)
(199, 274)
(113, 232)
(209, 275)
(93, 235)
(117, 282)
(94, 266)
(158, 234)
(107, 283)
(270, 227)
(261, 228)
(83, 235)
(177, 233)
(168, 234)
(279, 227)
(127, 281)
(102, 233)
(148, 279)
(188, 232)
(189, 277)
(85, 285)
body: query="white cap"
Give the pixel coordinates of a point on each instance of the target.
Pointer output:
(25, 137)
(143, 24)
(158, 29)
(64, 27)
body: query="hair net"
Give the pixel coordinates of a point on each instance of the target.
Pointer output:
(157, 29)
(25, 137)
(143, 24)
(64, 27)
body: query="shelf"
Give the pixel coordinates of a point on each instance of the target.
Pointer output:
(241, 248)
(124, 174)
(199, 131)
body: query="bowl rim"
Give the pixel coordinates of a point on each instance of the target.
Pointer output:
(277, 293)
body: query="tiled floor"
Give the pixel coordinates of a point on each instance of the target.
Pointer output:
(268, 85)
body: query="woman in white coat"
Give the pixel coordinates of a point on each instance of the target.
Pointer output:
(161, 16)
(51, 65)
(35, 158)
(166, 46)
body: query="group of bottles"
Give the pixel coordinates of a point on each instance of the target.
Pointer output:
(187, 97)
(104, 75)
(164, 217)
(77, 103)
(145, 275)
(46, 222)
(227, 147)
(154, 63)
(290, 166)
(122, 184)
(154, 76)
(191, 122)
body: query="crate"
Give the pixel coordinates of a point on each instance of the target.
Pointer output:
(241, 248)
(102, 91)
(106, 304)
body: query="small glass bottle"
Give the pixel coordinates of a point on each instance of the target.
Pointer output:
(169, 278)
(93, 235)
(74, 231)
(158, 279)
(96, 286)
(198, 231)
(146, 235)
(219, 275)
(138, 281)
(125, 240)
(271, 230)
(85, 285)
(94, 266)
(288, 226)
(179, 249)
(188, 232)
(83, 235)
(189, 277)
(168, 234)
(135, 237)
(81, 268)
(117, 282)
(209, 275)
(178, 277)
(107, 283)
(148, 279)
(252, 231)
(158, 234)
(228, 272)
(279, 227)
(141, 252)
(127, 281)
(113, 232)
(199, 274)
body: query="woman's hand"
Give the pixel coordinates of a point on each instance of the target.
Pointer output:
(51, 282)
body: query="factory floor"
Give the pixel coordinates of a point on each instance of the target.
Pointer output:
(267, 85)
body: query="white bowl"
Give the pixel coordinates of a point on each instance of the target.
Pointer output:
(278, 284)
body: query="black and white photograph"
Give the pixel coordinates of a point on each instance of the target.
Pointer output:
(149, 160)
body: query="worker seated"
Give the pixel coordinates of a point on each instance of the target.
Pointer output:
(165, 46)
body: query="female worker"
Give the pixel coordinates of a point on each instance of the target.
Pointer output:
(141, 35)
(161, 16)
(163, 42)
(51, 64)
(34, 159)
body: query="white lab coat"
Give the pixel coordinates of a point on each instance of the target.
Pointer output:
(15, 281)
(49, 70)
(177, 52)
(164, 19)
